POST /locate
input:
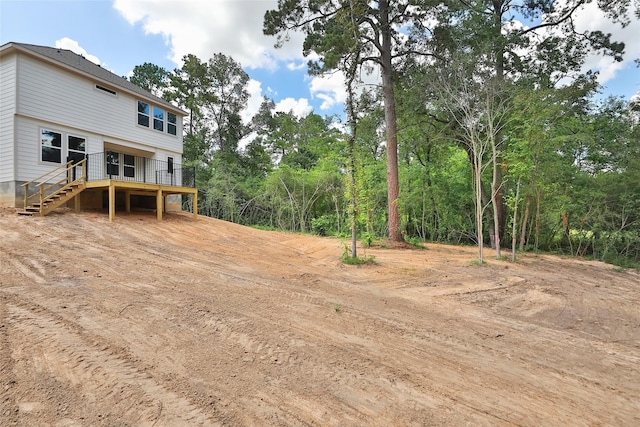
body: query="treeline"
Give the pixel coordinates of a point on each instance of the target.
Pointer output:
(487, 146)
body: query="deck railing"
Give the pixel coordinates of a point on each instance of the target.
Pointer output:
(125, 167)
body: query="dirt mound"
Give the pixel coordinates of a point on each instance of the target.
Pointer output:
(183, 322)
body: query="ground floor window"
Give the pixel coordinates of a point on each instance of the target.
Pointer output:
(51, 146)
(129, 166)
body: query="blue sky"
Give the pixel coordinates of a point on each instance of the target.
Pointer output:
(120, 34)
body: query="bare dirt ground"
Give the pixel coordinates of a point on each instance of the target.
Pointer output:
(198, 323)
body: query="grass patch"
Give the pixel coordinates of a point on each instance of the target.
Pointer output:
(358, 260)
(416, 242)
(348, 259)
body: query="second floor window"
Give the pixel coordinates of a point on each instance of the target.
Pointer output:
(172, 123)
(158, 119)
(143, 114)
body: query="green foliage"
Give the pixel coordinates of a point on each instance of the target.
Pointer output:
(575, 161)
(416, 242)
(348, 259)
(322, 225)
(150, 77)
(367, 239)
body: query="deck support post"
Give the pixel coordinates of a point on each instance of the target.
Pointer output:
(195, 205)
(127, 201)
(159, 204)
(112, 201)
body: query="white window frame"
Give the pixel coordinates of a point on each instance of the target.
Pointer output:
(142, 114)
(155, 119)
(172, 124)
(60, 149)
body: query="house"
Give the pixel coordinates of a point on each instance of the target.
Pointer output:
(74, 134)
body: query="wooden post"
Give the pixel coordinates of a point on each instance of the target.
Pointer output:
(127, 201)
(76, 201)
(112, 202)
(195, 205)
(26, 195)
(159, 200)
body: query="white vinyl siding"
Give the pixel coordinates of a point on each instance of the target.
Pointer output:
(28, 134)
(60, 96)
(7, 111)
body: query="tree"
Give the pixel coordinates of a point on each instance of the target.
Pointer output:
(186, 88)
(334, 29)
(150, 77)
(547, 50)
(479, 108)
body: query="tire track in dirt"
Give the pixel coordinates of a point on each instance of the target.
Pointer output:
(8, 406)
(124, 391)
(330, 367)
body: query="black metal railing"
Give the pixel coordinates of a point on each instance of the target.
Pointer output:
(126, 167)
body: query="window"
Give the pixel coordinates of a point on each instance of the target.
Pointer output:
(129, 166)
(77, 148)
(172, 123)
(155, 117)
(143, 114)
(51, 146)
(158, 119)
(113, 163)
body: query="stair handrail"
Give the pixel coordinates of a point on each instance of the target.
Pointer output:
(46, 185)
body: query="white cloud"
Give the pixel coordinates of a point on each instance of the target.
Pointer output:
(294, 66)
(254, 88)
(329, 88)
(299, 107)
(590, 18)
(206, 27)
(74, 46)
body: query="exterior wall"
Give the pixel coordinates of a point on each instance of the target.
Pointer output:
(28, 132)
(7, 138)
(37, 95)
(59, 96)
(11, 193)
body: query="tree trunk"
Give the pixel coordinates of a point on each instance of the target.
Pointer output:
(484, 197)
(479, 207)
(495, 187)
(354, 199)
(390, 125)
(514, 237)
(525, 220)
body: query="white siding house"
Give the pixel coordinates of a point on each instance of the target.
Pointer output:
(56, 105)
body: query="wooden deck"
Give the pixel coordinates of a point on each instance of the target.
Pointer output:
(143, 189)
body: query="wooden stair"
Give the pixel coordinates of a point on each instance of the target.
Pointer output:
(53, 201)
(54, 189)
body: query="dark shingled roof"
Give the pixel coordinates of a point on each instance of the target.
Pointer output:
(84, 66)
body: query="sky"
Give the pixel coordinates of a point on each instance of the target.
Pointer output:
(120, 34)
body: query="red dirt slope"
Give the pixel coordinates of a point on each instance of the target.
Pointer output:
(198, 323)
